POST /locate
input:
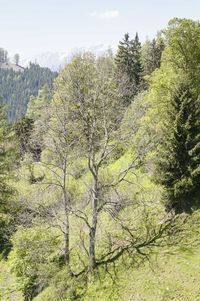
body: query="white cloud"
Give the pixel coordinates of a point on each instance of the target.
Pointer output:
(111, 14)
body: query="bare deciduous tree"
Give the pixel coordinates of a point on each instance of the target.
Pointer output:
(94, 113)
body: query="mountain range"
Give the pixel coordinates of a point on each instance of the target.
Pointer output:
(56, 60)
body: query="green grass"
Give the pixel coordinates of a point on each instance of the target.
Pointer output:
(168, 277)
(173, 273)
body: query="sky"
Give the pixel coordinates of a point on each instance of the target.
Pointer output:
(30, 27)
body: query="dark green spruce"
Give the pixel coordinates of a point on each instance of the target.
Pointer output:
(6, 192)
(179, 163)
(129, 67)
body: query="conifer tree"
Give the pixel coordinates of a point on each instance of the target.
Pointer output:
(136, 54)
(159, 48)
(128, 67)
(6, 159)
(151, 55)
(179, 163)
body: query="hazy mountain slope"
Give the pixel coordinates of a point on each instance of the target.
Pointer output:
(17, 87)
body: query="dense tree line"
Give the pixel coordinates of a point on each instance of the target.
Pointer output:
(175, 90)
(16, 88)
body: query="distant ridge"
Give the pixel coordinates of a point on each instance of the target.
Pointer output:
(14, 67)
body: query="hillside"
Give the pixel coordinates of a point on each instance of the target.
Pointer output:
(18, 84)
(171, 274)
(100, 174)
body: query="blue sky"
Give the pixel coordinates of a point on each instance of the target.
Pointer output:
(34, 26)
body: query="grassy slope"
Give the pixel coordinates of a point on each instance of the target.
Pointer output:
(169, 276)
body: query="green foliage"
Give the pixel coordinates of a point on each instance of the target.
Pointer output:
(82, 107)
(64, 287)
(183, 45)
(88, 142)
(4, 155)
(34, 258)
(39, 103)
(8, 287)
(23, 130)
(151, 54)
(129, 67)
(16, 88)
(132, 129)
(174, 114)
(178, 168)
(7, 156)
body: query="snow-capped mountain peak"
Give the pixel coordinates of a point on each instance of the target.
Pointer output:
(56, 60)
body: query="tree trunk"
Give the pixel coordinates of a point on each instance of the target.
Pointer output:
(66, 232)
(92, 234)
(66, 241)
